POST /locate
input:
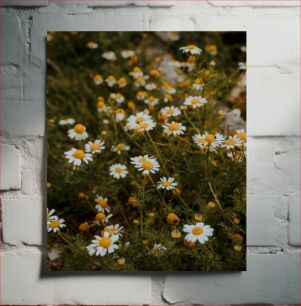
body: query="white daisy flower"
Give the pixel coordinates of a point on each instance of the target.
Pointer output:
(208, 140)
(146, 164)
(77, 156)
(242, 66)
(140, 122)
(122, 82)
(174, 128)
(232, 142)
(167, 183)
(150, 86)
(98, 79)
(101, 105)
(78, 132)
(68, 121)
(55, 224)
(92, 45)
(101, 246)
(198, 84)
(118, 97)
(141, 95)
(127, 53)
(192, 49)
(170, 90)
(241, 134)
(110, 80)
(140, 81)
(109, 55)
(170, 111)
(118, 171)
(94, 146)
(102, 204)
(50, 214)
(119, 114)
(195, 101)
(121, 147)
(198, 232)
(159, 247)
(114, 230)
(151, 101)
(136, 72)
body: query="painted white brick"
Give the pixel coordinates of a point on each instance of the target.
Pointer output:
(170, 23)
(22, 283)
(12, 45)
(294, 220)
(113, 3)
(28, 213)
(122, 22)
(273, 166)
(161, 3)
(10, 170)
(24, 3)
(257, 4)
(269, 279)
(273, 100)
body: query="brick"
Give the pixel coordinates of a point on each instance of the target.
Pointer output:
(161, 3)
(22, 283)
(268, 279)
(122, 22)
(257, 4)
(170, 23)
(12, 44)
(294, 220)
(29, 215)
(277, 90)
(113, 3)
(24, 3)
(10, 170)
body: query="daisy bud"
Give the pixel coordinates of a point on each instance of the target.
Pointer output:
(48, 185)
(173, 219)
(121, 261)
(238, 237)
(189, 244)
(82, 196)
(133, 201)
(236, 221)
(145, 241)
(211, 204)
(176, 234)
(84, 227)
(176, 192)
(237, 247)
(198, 217)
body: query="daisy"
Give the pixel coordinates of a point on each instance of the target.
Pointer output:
(212, 49)
(136, 72)
(141, 95)
(232, 142)
(78, 132)
(198, 84)
(167, 183)
(151, 101)
(94, 146)
(170, 90)
(110, 80)
(168, 98)
(121, 147)
(102, 204)
(150, 86)
(68, 121)
(103, 245)
(101, 106)
(158, 248)
(242, 66)
(140, 81)
(198, 232)
(241, 134)
(55, 224)
(50, 215)
(174, 128)
(127, 53)
(140, 122)
(170, 111)
(109, 55)
(77, 156)
(192, 49)
(122, 82)
(119, 114)
(114, 229)
(118, 97)
(146, 164)
(92, 45)
(154, 73)
(206, 140)
(97, 79)
(118, 171)
(195, 101)
(102, 218)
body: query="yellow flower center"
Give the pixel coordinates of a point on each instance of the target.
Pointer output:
(230, 142)
(94, 146)
(191, 47)
(100, 216)
(195, 101)
(242, 136)
(137, 69)
(79, 154)
(100, 104)
(118, 170)
(120, 147)
(79, 128)
(197, 231)
(176, 234)
(198, 81)
(151, 99)
(105, 242)
(120, 111)
(166, 184)
(97, 77)
(210, 138)
(139, 120)
(111, 230)
(122, 80)
(147, 165)
(170, 111)
(143, 125)
(103, 202)
(191, 59)
(55, 224)
(202, 140)
(111, 78)
(174, 126)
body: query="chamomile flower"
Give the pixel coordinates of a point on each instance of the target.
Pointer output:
(92, 45)
(68, 121)
(242, 66)
(55, 224)
(198, 84)
(102, 218)
(136, 72)
(158, 249)
(198, 232)
(170, 111)
(151, 101)
(127, 53)
(114, 230)
(145, 164)
(208, 140)
(77, 156)
(170, 90)
(195, 101)
(101, 105)
(155, 73)
(141, 81)
(119, 114)
(118, 171)
(109, 55)
(241, 134)
(103, 245)
(150, 86)
(141, 95)
(102, 204)
(97, 79)
(122, 82)
(118, 97)
(94, 146)
(174, 128)
(140, 122)
(212, 49)
(110, 80)
(50, 214)
(191, 49)
(232, 142)
(167, 183)
(121, 147)
(78, 132)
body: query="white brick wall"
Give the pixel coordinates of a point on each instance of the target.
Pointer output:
(273, 156)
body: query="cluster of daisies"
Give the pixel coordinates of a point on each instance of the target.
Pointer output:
(54, 224)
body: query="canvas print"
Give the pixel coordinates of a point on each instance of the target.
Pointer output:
(146, 151)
